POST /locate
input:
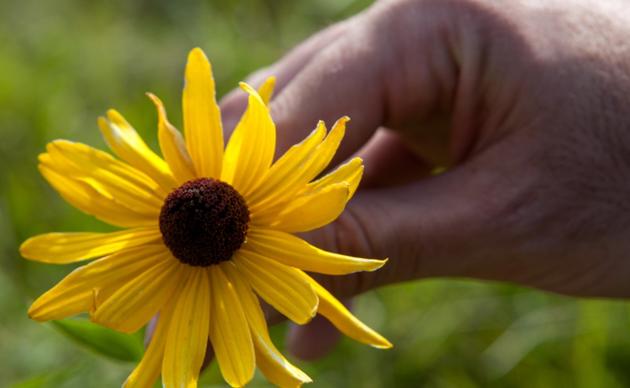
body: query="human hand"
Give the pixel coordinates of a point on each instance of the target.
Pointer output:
(525, 101)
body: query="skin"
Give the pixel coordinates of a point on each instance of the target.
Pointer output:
(526, 102)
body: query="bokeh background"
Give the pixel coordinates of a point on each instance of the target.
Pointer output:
(64, 62)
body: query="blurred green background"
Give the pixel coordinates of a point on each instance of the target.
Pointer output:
(64, 62)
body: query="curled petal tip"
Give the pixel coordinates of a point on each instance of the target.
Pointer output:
(246, 87)
(115, 117)
(155, 99)
(251, 91)
(378, 264)
(380, 342)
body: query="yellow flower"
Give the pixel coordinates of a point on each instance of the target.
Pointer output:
(208, 231)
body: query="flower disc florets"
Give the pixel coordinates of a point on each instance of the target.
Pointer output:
(204, 221)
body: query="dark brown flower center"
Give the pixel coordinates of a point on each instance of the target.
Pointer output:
(204, 221)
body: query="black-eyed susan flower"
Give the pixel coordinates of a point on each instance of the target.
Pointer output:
(206, 232)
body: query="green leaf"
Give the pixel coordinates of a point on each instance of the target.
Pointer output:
(104, 341)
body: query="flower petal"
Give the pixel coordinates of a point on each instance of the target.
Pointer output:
(266, 89)
(85, 198)
(229, 331)
(250, 151)
(308, 170)
(295, 252)
(277, 369)
(282, 173)
(172, 145)
(88, 286)
(310, 199)
(62, 248)
(148, 370)
(135, 303)
(326, 151)
(279, 285)
(310, 211)
(343, 319)
(202, 118)
(125, 142)
(349, 172)
(187, 336)
(82, 160)
(111, 178)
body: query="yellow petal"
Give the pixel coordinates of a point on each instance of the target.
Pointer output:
(310, 211)
(135, 303)
(125, 142)
(187, 336)
(295, 252)
(202, 118)
(282, 173)
(88, 286)
(343, 319)
(281, 286)
(249, 301)
(266, 89)
(229, 331)
(315, 164)
(172, 145)
(326, 151)
(109, 177)
(250, 151)
(81, 160)
(349, 172)
(61, 248)
(148, 370)
(277, 369)
(85, 198)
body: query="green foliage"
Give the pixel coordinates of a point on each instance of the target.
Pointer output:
(49, 379)
(104, 341)
(64, 62)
